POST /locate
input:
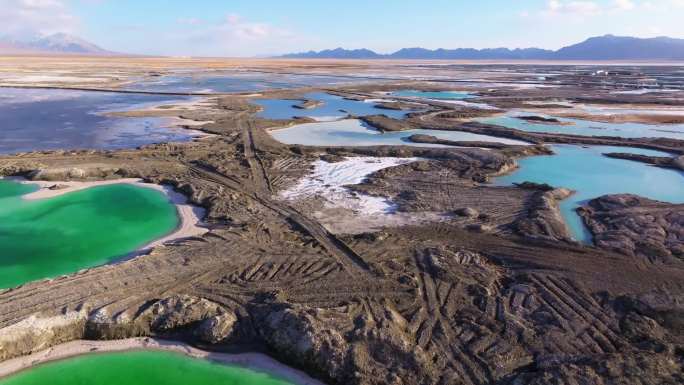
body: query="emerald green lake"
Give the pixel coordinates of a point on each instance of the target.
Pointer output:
(49, 237)
(139, 368)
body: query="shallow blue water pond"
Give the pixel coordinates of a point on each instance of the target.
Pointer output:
(587, 171)
(333, 107)
(353, 132)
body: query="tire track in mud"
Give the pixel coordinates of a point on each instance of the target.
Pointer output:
(258, 171)
(436, 332)
(351, 261)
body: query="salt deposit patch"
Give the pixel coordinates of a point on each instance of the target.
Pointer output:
(326, 118)
(328, 181)
(347, 212)
(378, 100)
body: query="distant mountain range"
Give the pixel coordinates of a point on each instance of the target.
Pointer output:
(606, 47)
(59, 43)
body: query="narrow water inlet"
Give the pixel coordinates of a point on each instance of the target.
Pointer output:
(353, 132)
(591, 175)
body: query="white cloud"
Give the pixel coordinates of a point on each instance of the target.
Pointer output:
(235, 27)
(573, 20)
(235, 36)
(23, 18)
(666, 5)
(582, 8)
(624, 5)
(577, 10)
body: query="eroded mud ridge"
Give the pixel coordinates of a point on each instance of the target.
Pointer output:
(637, 226)
(494, 292)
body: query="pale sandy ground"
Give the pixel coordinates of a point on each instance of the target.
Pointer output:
(340, 221)
(120, 70)
(190, 216)
(172, 112)
(196, 104)
(53, 79)
(181, 122)
(254, 361)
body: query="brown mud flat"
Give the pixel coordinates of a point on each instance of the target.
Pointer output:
(456, 187)
(541, 119)
(308, 104)
(429, 139)
(386, 124)
(498, 294)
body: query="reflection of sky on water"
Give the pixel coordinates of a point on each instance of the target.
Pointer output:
(59, 119)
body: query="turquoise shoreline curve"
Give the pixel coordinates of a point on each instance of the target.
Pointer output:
(50, 237)
(591, 175)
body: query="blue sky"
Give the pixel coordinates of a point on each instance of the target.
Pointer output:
(267, 27)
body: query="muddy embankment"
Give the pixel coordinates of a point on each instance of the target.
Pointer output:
(637, 227)
(676, 163)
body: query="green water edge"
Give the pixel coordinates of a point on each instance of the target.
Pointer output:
(140, 367)
(50, 237)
